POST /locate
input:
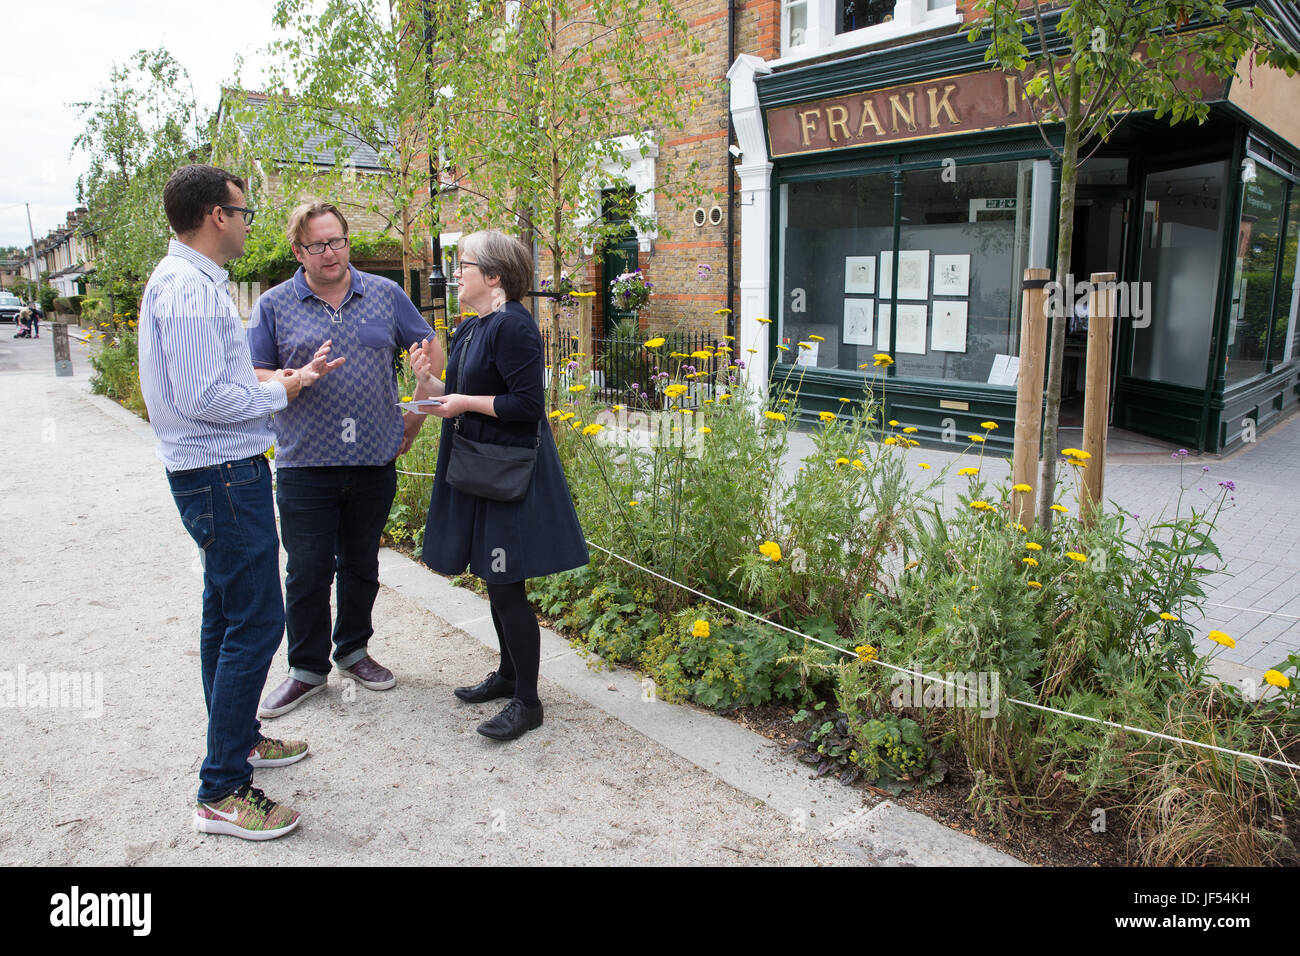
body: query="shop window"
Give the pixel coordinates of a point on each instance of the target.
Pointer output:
(1281, 342)
(964, 239)
(1250, 317)
(1182, 241)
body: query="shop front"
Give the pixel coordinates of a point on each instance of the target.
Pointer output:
(905, 192)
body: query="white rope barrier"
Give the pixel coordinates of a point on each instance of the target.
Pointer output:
(940, 680)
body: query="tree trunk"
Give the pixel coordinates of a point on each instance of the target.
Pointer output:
(1056, 353)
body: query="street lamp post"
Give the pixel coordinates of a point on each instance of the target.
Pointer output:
(437, 279)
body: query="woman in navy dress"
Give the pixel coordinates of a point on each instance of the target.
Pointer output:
(494, 379)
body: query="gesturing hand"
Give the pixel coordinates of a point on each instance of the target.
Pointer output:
(427, 361)
(320, 364)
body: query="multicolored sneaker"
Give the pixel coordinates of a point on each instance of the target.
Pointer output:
(248, 814)
(271, 752)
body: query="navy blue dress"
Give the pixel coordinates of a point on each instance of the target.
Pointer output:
(500, 541)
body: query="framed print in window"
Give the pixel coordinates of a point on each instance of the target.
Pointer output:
(860, 275)
(858, 321)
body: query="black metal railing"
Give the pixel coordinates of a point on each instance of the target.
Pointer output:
(624, 371)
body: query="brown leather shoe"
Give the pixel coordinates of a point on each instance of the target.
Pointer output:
(370, 674)
(286, 697)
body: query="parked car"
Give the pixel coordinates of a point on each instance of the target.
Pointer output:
(10, 306)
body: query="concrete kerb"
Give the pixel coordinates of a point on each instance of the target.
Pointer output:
(884, 834)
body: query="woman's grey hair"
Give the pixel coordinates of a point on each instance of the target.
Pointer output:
(503, 256)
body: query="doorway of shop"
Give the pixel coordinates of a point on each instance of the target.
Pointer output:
(1101, 236)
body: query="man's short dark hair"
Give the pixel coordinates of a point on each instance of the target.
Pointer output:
(193, 191)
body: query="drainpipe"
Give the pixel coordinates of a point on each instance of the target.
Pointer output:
(731, 181)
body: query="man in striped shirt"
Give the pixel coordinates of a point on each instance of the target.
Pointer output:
(212, 419)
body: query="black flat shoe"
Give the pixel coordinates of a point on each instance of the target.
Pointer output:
(492, 687)
(515, 721)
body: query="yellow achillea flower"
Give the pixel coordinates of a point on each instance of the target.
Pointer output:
(816, 338)
(1061, 508)
(922, 464)
(770, 550)
(982, 506)
(593, 429)
(700, 628)
(764, 321)
(566, 416)
(1075, 453)
(555, 414)
(1220, 638)
(687, 411)
(1076, 556)
(672, 391)
(577, 388)
(805, 345)
(1166, 616)
(1033, 584)
(1032, 562)
(989, 425)
(978, 439)
(1022, 487)
(655, 343)
(774, 416)
(721, 311)
(893, 423)
(724, 396)
(844, 401)
(857, 463)
(407, 398)
(616, 408)
(882, 360)
(891, 440)
(910, 430)
(784, 348)
(866, 652)
(1034, 546)
(826, 416)
(707, 401)
(730, 338)
(633, 504)
(785, 401)
(701, 355)
(705, 430)
(969, 471)
(841, 461)
(752, 351)
(1277, 678)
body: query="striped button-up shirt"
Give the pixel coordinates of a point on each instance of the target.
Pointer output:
(205, 404)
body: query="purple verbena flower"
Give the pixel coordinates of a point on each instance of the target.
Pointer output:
(1182, 453)
(1230, 485)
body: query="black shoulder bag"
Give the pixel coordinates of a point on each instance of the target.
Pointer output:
(486, 469)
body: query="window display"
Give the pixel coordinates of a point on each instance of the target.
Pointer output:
(964, 239)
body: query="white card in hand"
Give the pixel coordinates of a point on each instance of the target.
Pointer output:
(421, 407)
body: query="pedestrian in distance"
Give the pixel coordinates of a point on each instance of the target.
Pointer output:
(494, 395)
(335, 447)
(212, 419)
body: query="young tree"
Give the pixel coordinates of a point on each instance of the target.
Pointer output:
(141, 126)
(537, 105)
(352, 74)
(1119, 56)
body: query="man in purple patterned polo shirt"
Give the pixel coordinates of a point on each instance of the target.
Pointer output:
(335, 447)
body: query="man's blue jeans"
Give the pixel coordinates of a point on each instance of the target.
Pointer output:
(227, 509)
(331, 519)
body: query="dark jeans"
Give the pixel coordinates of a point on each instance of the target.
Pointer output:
(228, 512)
(331, 520)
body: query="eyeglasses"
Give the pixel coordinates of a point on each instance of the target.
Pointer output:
(466, 262)
(248, 214)
(316, 248)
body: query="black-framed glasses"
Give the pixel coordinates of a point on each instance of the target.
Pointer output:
(316, 248)
(247, 213)
(466, 262)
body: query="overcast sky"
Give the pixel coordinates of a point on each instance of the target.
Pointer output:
(58, 52)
